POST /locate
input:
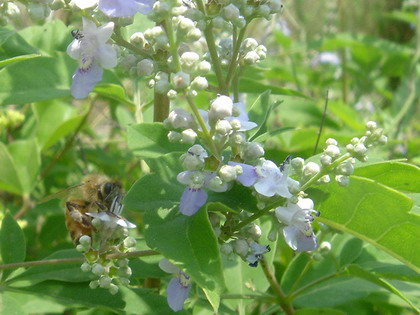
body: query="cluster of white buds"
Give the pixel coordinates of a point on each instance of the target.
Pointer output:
(248, 249)
(39, 10)
(251, 52)
(107, 271)
(374, 136)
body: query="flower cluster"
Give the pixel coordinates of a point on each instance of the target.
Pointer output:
(110, 236)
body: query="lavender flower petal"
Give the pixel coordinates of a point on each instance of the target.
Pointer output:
(84, 80)
(177, 294)
(248, 177)
(119, 8)
(192, 200)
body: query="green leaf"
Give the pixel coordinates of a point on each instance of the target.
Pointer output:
(9, 179)
(189, 241)
(69, 272)
(359, 272)
(248, 85)
(12, 60)
(114, 92)
(10, 306)
(373, 212)
(319, 311)
(36, 79)
(27, 161)
(13, 44)
(150, 140)
(55, 120)
(151, 193)
(12, 242)
(128, 301)
(50, 37)
(334, 292)
(400, 176)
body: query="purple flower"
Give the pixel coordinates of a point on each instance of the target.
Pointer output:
(298, 217)
(179, 286)
(194, 197)
(266, 178)
(117, 8)
(256, 254)
(92, 52)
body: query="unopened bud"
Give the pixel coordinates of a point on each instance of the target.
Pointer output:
(188, 136)
(105, 282)
(311, 169)
(181, 80)
(241, 247)
(145, 67)
(223, 127)
(226, 248)
(220, 108)
(228, 173)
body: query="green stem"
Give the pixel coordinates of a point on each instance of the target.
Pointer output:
(211, 44)
(47, 262)
(301, 274)
(325, 171)
(234, 61)
(205, 132)
(283, 301)
(173, 48)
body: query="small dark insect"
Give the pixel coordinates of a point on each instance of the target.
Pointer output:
(77, 34)
(285, 162)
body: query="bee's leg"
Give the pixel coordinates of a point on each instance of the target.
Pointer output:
(101, 206)
(77, 215)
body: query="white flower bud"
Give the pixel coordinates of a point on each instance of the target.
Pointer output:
(179, 118)
(193, 35)
(247, 11)
(174, 136)
(226, 248)
(332, 150)
(220, 108)
(223, 127)
(198, 150)
(186, 24)
(345, 168)
(199, 83)
(125, 272)
(98, 269)
(145, 67)
(275, 6)
(311, 169)
(130, 242)
(204, 67)
(192, 163)
(354, 141)
(297, 163)
(188, 136)
(240, 22)
(162, 86)
(331, 141)
(240, 247)
(293, 186)
(324, 179)
(154, 32)
(238, 138)
(38, 11)
(249, 44)
(215, 183)
(218, 22)
(325, 159)
(230, 12)
(371, 125)
(342, 180)
(263, 10)
(254, 231)
(105, 282)
(261, 50)
(360, 149)
(122, 262)
(189, 61)
(85, 240)
(251, 58)
(94, 284)
(228, 173)
(161, 9)
(252, 151)
(181, 80)
(325, 247)
(86, 267)
(81, 248)
(113, 289)
(383, 140)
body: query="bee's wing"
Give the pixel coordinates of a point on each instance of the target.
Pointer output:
(62, 194)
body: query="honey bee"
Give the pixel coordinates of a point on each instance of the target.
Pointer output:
(97, 193)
